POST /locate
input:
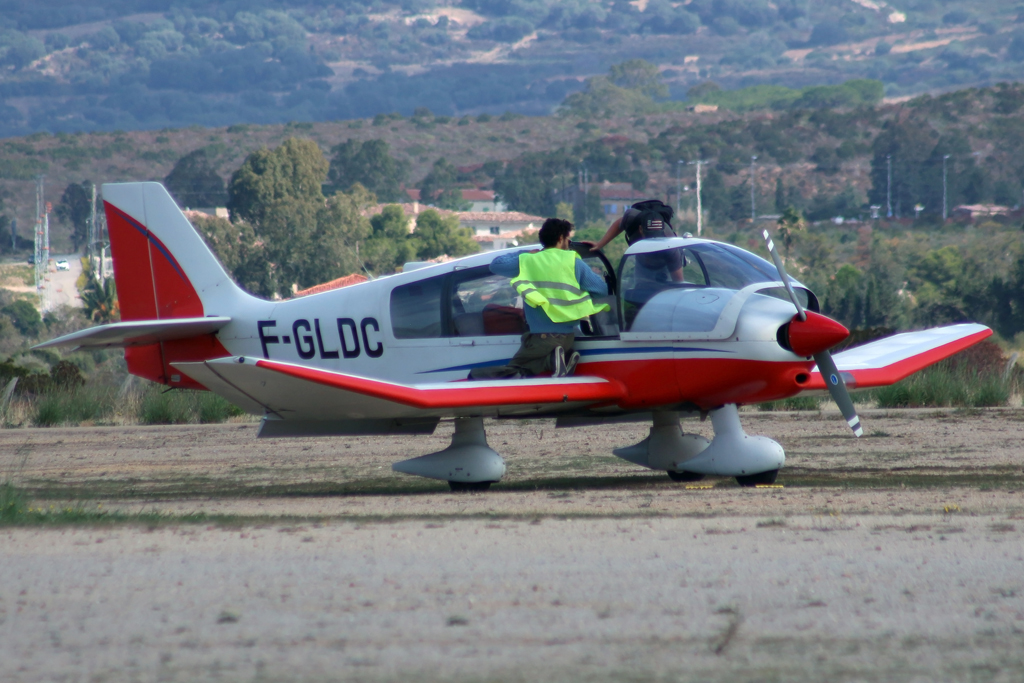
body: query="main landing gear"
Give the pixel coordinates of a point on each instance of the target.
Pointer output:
(688, 457)
(468, 464)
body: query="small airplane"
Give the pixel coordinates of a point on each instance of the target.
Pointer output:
(392, 355)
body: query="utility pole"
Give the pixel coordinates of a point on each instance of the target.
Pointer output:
(679, 185)
(888, 190)
(944, 157)
(700, 211)
(753, 211)
(38, 233)
(91, 239)
(46, 257)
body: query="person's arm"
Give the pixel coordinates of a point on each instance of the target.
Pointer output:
(589, 280)
(611, 233)
(507, 265)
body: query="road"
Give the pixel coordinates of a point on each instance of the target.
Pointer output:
(61, 289)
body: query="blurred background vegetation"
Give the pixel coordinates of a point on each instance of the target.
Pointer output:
(129, 64)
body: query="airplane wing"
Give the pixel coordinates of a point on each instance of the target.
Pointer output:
(887, 361)
(138, 332)
(290, 391)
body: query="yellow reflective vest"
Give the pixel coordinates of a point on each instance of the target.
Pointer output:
(547, 280)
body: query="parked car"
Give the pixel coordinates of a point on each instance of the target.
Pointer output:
(32, 260)
(62, 264)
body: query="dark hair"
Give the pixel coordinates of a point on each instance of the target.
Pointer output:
(553, 230)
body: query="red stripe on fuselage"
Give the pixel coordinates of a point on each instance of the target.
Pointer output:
(461, 395)
(705, 382)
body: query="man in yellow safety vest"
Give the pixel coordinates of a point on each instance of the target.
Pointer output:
(556, 286)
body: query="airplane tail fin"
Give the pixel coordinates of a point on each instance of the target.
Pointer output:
(162, 267)
(166, 277)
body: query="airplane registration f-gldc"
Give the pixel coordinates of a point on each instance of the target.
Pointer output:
(391, 355)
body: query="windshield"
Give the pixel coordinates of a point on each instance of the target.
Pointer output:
(708, 265)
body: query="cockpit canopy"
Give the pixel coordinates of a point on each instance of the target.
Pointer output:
(654, 271)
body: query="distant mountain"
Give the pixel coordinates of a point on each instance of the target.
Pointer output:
(151, 64)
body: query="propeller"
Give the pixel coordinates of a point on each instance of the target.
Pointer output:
(826, 366)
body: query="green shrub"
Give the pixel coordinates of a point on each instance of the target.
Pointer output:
(13, 503)
(184, 407)
(793, 403)
(944, 385)
(213, 408)
(72, 407)
(165, 408)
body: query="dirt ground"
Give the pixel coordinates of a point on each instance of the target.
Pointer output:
(898, 556)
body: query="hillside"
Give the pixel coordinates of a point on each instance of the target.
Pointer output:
(827, 162)
(151, 64)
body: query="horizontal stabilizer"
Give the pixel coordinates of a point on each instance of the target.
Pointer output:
(288, 391)
(138, 332)
(891, 359)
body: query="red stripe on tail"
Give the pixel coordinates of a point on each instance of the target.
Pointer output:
(151, 285)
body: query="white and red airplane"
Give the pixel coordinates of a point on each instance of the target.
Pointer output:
(391, 355)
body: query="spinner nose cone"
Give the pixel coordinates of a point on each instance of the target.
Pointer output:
(811, 336)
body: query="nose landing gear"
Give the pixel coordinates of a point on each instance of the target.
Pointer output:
(687, 457)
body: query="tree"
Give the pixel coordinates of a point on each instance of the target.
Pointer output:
(1008, 299)
(440, 187)
(527, 183)
(294, 171)
(908, 145)
(439, 235)
(99, 299)
(371, 165)
(75, 208)
(194, 182)
(389, 245)
(19, 50)
(789, 225)
(629, 88)
(716, 197)
(640, 76)
(301, 237)
(233, 243)
(24, 317)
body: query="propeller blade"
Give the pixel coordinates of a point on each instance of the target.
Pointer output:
(826, 366)
(784, 276)
(837, 388)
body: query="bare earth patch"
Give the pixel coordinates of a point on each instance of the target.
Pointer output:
(898, 556)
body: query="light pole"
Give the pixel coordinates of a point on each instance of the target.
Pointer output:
(944, 157)
(888, 189)
(753, 211)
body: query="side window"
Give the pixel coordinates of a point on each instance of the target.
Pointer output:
(416, 309)
(485, 305)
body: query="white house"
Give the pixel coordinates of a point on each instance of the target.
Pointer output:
(498, 229)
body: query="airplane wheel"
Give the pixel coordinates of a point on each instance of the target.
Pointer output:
(469, 486)
(684, 476)
(759, 478)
